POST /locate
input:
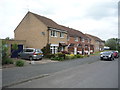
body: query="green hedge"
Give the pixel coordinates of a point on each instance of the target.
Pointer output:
(7, 61)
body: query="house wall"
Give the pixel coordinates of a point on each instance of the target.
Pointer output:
(58, 39)
(30, 29)
(95, 43)
(79, 49)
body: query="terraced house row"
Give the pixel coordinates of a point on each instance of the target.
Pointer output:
(38, 31)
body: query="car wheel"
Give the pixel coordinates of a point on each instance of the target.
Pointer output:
(111, 59)
(30, 58)
(101, 58)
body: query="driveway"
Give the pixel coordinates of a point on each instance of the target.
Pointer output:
(20, 74)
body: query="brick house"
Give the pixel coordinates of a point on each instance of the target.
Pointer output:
(78, 42)
(97, 42)
(38, 31)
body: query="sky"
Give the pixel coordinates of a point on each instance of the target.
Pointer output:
(95, 17)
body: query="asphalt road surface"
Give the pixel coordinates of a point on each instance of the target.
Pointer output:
(19, 74)
(100, 74)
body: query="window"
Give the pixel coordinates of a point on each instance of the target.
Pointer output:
(68, 38)
(88, 40)
(83, 40)
(61, 34)
(76, 39)
(53, 33)
(80, 38)
(54, 49)
(71, 45)
(86, 46)
(79, 45)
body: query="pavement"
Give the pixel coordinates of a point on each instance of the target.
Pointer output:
(17, 75)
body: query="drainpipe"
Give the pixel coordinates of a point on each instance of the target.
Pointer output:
(48, 36)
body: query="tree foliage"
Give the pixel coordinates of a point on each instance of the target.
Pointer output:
(112, 43)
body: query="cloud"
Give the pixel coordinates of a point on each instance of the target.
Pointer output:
(97, 17)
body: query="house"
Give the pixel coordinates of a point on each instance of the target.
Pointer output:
(78, 42)
(97, 42)
(38, 31)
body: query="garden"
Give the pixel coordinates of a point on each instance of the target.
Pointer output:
(60, 56)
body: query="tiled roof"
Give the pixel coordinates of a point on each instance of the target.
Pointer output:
(51, 24)
(74, 33)
(48, 22)
(96, 38)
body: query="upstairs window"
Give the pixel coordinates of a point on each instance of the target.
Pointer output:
(80, 38)
(71, 45)
(79, 45)
(68, 38)
(83, 40)
(76, 39)
(88, 40)
(61, 34)
(53, 33)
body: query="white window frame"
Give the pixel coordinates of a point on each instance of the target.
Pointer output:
(76, 39)
(61, 35)
(53, 33)
(54, 49)
(68, 38)
(83, 40)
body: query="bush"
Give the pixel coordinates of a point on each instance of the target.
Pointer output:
(61, 55)
(19, 63)
(50, 55)
(79, 56)
(57, 58)
(7, 61)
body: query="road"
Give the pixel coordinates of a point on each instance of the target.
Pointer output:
(100, 74)
(20, 74)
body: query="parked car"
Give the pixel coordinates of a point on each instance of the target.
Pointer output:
(107, 55)
(31, 53)
(116, 54)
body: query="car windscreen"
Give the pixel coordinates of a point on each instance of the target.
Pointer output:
(28, 50)
(106, 53)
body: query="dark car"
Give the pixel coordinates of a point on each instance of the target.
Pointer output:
(31, 53)
(116, 54)
(107, 56)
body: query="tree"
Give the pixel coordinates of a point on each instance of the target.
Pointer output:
(4, 49)
(46, 50)
(112, 43)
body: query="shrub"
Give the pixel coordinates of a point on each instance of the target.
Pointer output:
(61, 55)
(19, 63)
(73, 57)
(57, 58)
(65, 52)
(79, 56)
(7, 61)
(46, 50)
(50, 55)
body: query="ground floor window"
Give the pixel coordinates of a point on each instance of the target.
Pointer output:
(54, 49)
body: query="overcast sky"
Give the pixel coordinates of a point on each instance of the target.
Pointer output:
(95, 17)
